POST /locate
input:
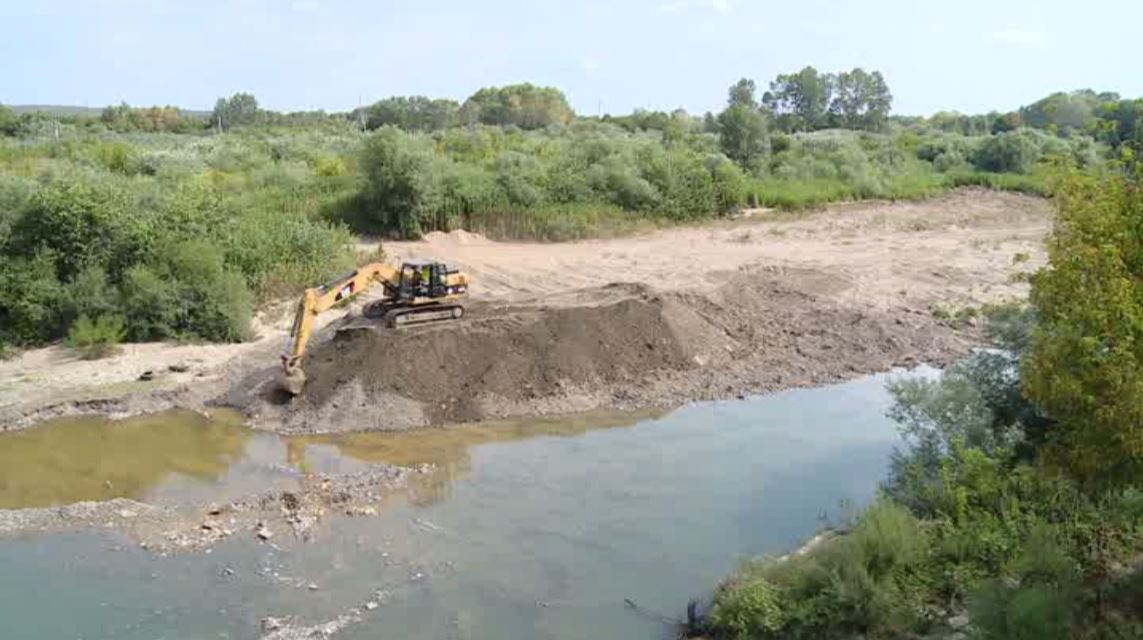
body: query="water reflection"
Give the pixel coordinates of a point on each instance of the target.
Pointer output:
(77, 459)
(448, 449)
(183, 456)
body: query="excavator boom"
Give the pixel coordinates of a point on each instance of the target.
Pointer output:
(415, 292)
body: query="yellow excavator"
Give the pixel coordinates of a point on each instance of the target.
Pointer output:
(417, 292)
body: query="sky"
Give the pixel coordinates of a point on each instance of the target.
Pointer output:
(609, 56)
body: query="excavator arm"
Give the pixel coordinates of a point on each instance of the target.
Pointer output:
(320, 299)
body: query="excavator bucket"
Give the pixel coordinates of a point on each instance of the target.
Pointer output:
(291, 378)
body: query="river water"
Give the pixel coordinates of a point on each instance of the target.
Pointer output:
(535, 529)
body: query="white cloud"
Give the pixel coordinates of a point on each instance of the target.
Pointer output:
(721, 6)
(675, 7)
(1024, 38)
(589, 64)
(306, 5)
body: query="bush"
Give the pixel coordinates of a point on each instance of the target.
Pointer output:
(860, 584)
(30, 297)
(399, 191)
(751, 608)
(210, 301)
(96, 339)
(329, 166)
(83, 225)
(150, 305)
(1085, 367)
(1009, 152)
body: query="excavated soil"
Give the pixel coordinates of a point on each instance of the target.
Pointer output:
(759, 303)
(619, 346)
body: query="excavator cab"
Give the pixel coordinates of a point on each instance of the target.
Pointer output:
(422, 279)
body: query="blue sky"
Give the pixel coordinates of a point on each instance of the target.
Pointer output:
(968, 55)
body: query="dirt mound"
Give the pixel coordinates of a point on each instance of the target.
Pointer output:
(622, 345)
(457, 237)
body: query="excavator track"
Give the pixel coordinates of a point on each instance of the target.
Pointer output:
(403, 317)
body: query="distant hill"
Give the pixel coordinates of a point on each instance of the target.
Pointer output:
(67, 110)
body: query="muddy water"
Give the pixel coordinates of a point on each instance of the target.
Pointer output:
(535, 529)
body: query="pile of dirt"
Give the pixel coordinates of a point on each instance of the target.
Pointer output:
(619, 346)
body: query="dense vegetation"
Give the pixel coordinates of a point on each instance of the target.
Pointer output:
(1014, 511)
(177, 224)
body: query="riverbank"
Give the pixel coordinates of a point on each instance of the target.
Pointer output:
(745, 306)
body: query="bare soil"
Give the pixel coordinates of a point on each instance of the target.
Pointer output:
(763, 302)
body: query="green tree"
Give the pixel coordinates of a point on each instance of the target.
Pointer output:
(742, 127)
(1086, 364)
(1065, 113)
(9, 123)
(239, 109)
(523, 105)
(1120, 124)
(860, 100)
(1003, 122)
(800, 101)
(83, 225)
(399, 189)
(412, 113)
(1009, 152)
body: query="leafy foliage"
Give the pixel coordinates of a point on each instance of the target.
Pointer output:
(95, 339)
(237, 110)
(742, 127)
(809, 100)
(523, 105)
(1086, 365)
(94, 226)
(970, 526)
(412, 113)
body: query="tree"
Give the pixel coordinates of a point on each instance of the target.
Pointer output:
(239, 109)
(523, 105)
(800, 101)
(1002, 122)
(860, 100)
(1065, 113)
(398, 185)
(1120, 123)
(412, 113)
(1009, 152)
(742, 127)
(9, 123)
(1086, 364)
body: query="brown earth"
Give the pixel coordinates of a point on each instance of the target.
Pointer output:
(620, 346)
(759, 303)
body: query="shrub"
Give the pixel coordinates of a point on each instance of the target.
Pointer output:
(1009, 152)
(1085, 366)
(83, 225)
(751, 608)
(95, 339)
(859, 584)
(398, 189)
(329, 166)
(211, 301)
(150, 305)
(30, 298)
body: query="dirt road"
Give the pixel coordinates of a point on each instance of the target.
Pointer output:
(958, 249)
(869, 264)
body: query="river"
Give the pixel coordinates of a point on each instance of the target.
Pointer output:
(533, 529)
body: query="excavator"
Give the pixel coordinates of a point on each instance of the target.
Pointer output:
(418, 291)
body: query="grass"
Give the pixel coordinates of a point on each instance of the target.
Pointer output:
(799, 194)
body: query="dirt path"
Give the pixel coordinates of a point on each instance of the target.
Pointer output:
(957, 249)
(895, 260)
